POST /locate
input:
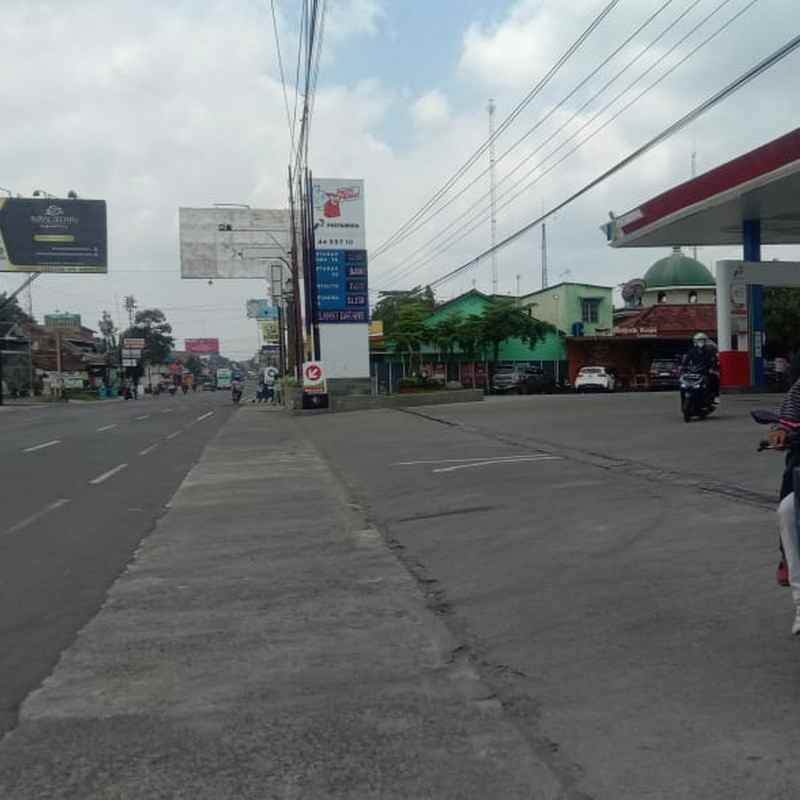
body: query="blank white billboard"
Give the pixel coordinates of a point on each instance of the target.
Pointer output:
(232, 242)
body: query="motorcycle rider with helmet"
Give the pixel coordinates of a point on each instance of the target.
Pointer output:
(702, 358)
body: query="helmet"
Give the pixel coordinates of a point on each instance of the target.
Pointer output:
(700, 339)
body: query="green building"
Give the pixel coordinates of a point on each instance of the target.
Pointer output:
(577, 309)
(387, 367)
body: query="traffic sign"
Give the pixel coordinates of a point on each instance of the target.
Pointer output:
(129, 362)
(314, 378)
(133, 344)
(131, 353)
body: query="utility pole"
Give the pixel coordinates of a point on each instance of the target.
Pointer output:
(518, 279)
(544, 255)
(694, 174)
(493, 192)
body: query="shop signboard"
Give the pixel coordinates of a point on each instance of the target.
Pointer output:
(53, 235)
(261, 309)
(270, 332)
(133, 344)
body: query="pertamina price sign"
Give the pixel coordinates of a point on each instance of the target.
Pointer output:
(314, 378)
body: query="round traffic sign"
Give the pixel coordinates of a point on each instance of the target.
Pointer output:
(313, 372)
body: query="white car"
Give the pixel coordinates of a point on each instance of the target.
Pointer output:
(595, 379)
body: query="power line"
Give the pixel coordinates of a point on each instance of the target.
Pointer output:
(454, 237)
(404, 268)
(714, 100)
(283, 78)
(520, 107)
(423, 222)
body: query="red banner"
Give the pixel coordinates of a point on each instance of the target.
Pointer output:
(201, 346)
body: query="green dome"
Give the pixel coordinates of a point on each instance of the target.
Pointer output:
(678, 270)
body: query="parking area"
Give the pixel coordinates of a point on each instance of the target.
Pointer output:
(608, 569)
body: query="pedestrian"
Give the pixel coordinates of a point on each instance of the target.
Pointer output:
(261, 391)
(269, 384)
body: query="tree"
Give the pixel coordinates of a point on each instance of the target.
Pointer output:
(391, 305)
(502, 320)
(444, 334)
(409, 333)
(782, 316)
(10, 311)
(151, 325)
(195, 366)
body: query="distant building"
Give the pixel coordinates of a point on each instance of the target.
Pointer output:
(577, 309)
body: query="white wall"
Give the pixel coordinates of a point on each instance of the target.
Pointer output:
(345, 350)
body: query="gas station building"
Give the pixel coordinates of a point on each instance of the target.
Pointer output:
(750, 201)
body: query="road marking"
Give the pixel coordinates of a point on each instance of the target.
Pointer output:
(460, 460)
(499, 461)
(106, 475)
(144, 416)
(167, 410)
(148, 450)
(205, 416)
(173, 435)
(41, 446)
(37, 516)
(106, 428)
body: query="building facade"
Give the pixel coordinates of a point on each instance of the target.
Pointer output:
(577, 309)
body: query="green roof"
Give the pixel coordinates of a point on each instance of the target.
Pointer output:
(678, 270)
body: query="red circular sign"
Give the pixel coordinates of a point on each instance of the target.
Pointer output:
(313, 372)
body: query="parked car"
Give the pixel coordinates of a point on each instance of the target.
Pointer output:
(522, 380)
(596, 379)
(665, 373)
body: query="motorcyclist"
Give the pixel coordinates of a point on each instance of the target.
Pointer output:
(236, 388)
(702, 358)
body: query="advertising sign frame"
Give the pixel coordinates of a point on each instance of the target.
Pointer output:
(53, 235)
(202, 347)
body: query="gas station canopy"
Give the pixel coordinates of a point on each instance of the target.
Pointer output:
(712, 208)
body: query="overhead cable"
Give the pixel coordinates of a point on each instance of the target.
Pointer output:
(733, 87)
(520, 107)
(455, 236)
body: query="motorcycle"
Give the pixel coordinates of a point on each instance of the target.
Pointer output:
(236, 394)
(697, 399)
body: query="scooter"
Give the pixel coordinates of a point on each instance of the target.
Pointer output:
(697, 399)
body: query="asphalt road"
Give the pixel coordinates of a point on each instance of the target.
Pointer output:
(610, 572)
(82, 484)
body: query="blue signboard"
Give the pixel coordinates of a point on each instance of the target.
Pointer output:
(342, 294)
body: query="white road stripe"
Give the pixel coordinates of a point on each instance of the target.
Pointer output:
(41, 446)
(167, 410)
(148, 450)
(106, 428)
(463, 460)
(498, 461)
(37, 516)
(205, 416)
(106, 475)
(173, 435)
(144, 416)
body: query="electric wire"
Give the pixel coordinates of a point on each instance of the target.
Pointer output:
(454, 237)
(283, 78)
(520, 107)
(733, 87)
(422, 223)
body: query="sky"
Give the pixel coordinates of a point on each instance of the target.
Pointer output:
(156, 104)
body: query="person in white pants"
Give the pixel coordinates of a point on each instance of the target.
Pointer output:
(791, 547)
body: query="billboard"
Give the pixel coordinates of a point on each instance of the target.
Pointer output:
(270, 331)
(261, 309)
(201, 346)
(232, 242)
(62, 322)
(341, 256)
(52, 235)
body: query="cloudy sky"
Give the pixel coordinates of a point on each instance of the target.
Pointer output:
(154, 104)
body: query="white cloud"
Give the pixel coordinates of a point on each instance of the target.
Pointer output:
(431, 110)
(348, 18)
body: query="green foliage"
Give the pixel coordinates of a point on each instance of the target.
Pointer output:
(195, 366)
(391, 308)
(503, 320)
(151, 325)
(11, 311)
(782, 316)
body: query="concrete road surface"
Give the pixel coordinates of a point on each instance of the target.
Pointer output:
(609, 570)
(81, 485)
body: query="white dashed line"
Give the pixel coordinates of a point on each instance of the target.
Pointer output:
(205, 416)
(148, 450)
(144, 416)
(167, 410)
(106, 475)
(462, 460)
(106, 428)
(41, 446)
(37, 516)
(173, 435)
